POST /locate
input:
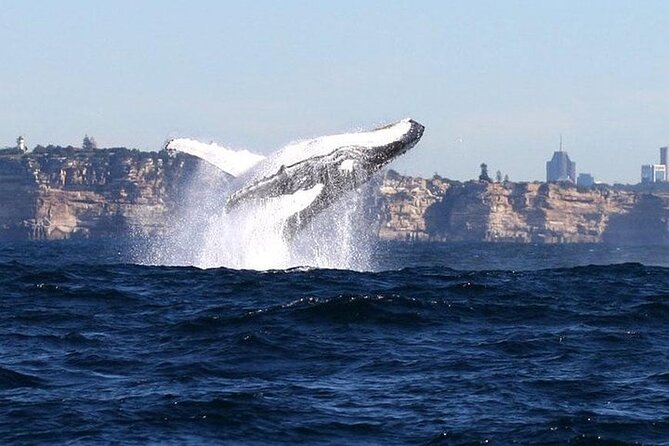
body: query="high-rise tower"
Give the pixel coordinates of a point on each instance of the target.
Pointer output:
(656, 173)
(560, 167)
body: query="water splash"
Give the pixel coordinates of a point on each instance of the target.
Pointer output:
(256, 226)
(253, 236)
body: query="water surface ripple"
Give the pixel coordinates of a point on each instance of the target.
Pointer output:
(97, 352)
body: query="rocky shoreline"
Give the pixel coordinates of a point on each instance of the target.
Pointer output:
(57, 193)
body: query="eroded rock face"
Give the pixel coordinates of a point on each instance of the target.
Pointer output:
(402, 203)
(60, 193)
(437, 209)
(55, 193)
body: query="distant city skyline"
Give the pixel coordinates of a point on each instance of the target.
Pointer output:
(656, 172)
(493, 82)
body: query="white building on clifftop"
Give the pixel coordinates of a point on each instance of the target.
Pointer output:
(21, 144)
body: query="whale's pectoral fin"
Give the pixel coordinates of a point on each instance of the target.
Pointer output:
(232, 162)
(302, 217)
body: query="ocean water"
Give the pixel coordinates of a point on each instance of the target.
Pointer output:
(448, 344)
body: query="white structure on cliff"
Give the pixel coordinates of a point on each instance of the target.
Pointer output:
(656, 173)
(21, 144)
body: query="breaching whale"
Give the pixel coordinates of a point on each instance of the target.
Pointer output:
(309, 176)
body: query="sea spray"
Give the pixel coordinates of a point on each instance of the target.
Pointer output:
(254, 236)
(341, 237)
(202, 193)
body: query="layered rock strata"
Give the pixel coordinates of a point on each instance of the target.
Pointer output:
(438, 209)
(58, 193)
(55, 193)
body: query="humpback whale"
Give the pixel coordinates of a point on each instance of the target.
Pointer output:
(309, 176)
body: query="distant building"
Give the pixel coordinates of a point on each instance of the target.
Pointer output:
(21, 144)
(560, 167)
(656, 173)
(653, 173)
(585, 180)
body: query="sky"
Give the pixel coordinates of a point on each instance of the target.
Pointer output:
(493, 81)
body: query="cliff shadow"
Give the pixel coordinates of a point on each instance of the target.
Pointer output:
(647, 223)
(460, 215)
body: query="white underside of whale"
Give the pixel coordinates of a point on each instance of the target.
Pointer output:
(232, 162)
(284, 206)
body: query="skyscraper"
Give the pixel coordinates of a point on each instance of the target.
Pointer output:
(653, 173)
(656, 173)
(560, 167)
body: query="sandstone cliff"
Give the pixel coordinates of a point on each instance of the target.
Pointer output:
(438, 209)
(57, 192)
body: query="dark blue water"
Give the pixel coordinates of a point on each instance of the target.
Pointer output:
(453, 344)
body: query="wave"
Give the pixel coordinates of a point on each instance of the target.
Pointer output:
(428, 354)
(10, 379)
(72, 270)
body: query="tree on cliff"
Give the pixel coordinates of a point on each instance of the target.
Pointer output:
(484, 174)
(89, 143)
(498, 176)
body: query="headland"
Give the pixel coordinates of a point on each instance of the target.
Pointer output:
(65, 192)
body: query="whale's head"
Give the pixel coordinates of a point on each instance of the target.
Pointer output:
(369, 150)
(360, 155)
(388, 142)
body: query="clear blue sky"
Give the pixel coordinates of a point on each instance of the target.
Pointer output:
(493, 81)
